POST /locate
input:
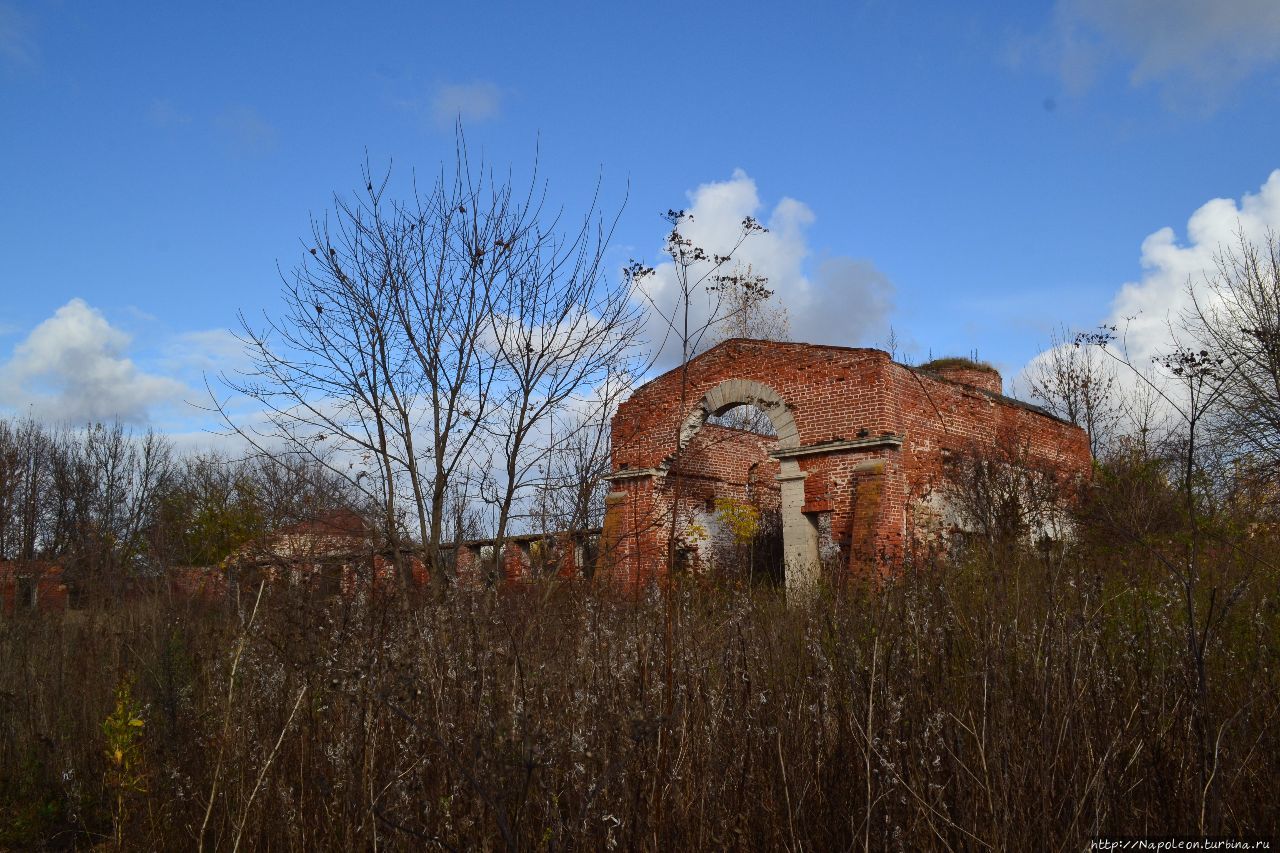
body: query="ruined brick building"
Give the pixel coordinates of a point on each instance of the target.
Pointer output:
(858, 470)
(525, 556)
(335, 552)
(31, 586)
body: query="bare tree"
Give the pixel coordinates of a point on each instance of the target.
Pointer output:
(705, 298)
(698, 308)
(1076, 382)
(291, 489)
(749, 313)
(26, 465)
(103, 490)
(381, 351)
(1004, 499)
(561, 329)
(569, 491)
(331, 375)
(421, 336)
(1198, 382)
(1146, 425)
(1236, 318)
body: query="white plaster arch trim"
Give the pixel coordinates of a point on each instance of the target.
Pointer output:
(799, 534)
(739, 392)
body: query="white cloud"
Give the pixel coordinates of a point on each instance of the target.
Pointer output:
(1146, 307)
(204, 351)
(1144, 311)
(1204, 46)
(74, 367)
(470, 103)
(844, 301)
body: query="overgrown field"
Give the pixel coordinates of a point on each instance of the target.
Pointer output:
(1020, 702)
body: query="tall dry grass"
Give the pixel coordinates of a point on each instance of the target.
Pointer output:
(1019, 702)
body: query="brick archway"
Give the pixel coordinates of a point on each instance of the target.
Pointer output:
(799, 535)
(861, 453)
(732, 393)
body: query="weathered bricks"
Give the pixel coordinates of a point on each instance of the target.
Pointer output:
(862, 439)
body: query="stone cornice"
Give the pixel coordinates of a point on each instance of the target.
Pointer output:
(633, 473)
(886, 440)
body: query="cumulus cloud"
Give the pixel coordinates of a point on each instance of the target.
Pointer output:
(841, 300)
(1144, 311)
(74, 367)
(1205, 46)
(1147, 306)
(471, 103)
(848, 303)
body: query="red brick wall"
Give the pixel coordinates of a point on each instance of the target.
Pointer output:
(198, 582)
(720, 462)
(834, 394)
(50, 590)
(977, 377)
(520, 559)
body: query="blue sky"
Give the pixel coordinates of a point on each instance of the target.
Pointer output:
(972, 177)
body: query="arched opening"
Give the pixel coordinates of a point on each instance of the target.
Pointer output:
(747, 418)
(729, 518)
(736, 487)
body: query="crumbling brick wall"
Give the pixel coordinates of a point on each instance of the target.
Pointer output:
(862, 450)
(31, 585)
(524, 557)
(721, 465)
(721, 462)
